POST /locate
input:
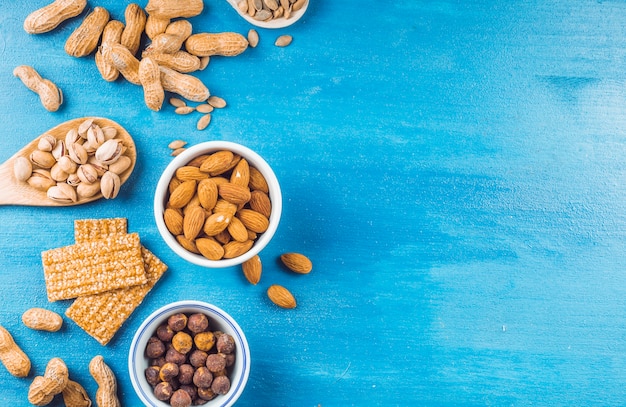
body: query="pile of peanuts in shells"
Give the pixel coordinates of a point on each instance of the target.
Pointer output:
(89, 161)
(166, 64)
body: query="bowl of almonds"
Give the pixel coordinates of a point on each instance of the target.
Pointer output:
(217, 204)
(189, 353)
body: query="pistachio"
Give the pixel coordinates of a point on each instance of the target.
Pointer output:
(59, 150)
(89, 148)
(109, 132)
(71, 137)
(87, 174)
(57, 173)
(101, 168)
(122, 164)
(41, 179)
(73, 180)
(88, 190)
(42, 159)
(95, 136)
(109, 152)
(67, 165)
(77, 153)
(110, 185)
(84, 128)
(22, 169)
(62, 193)
(47, 143)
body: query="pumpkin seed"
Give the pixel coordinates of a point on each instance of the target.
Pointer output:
(253, 38)
(217, 102)
(204, 121)
(184, 110)
(283, 40)
(177, 102)
(204, 108)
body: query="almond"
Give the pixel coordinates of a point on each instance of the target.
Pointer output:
(223, 237)
(173, 221)
(193, 222)
(217, 162)
(187, 244)
(207, 193)
(223, 205)
(234, 193)
(258, 181)
(234, 248)
(210, 248)
(252, 270)
(196, 162)
(280, 296)
(260, 202)
(253, 220)
(241, 173)
(189, 172)
(182, 194)
(297, 262)
(237, 230)
(216, 223)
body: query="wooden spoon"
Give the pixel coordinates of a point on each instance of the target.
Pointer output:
(14, 192)
(273, 23)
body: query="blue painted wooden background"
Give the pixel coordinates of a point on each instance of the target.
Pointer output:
(454, 169)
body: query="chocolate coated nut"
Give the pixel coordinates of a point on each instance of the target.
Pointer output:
(204, 340)
(216, 362)
(163, 391)
(182, 342)
(152, 375)
(191, 390)
(230, 359)
(220, 385)
(177, 322)
(180, 398)
(202, 377)
(198, 323)
(168, 371)
(155, 348)
(205, 393)
(174, 356)
(185, 374)
(225, 343)
(165, 333)
(197, 358)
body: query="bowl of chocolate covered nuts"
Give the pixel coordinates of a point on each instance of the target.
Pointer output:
(217, 204)
(189, 353)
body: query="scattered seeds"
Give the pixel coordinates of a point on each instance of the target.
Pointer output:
(283, 40)
(204, 108)
(204, 121)
(253, 38)
(176, 144)
(176, 102)
(177, 151)
(204, 62)
(184, 110)
(217, 102)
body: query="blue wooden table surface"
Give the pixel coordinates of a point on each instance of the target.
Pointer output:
(455, 170)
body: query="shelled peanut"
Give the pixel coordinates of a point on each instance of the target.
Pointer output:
(218, 205)
(87, 162)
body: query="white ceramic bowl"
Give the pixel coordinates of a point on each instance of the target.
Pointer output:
(218, 321)
(255, 160)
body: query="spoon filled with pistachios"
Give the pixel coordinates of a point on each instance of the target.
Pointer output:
(75, 162)
(270, 13)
